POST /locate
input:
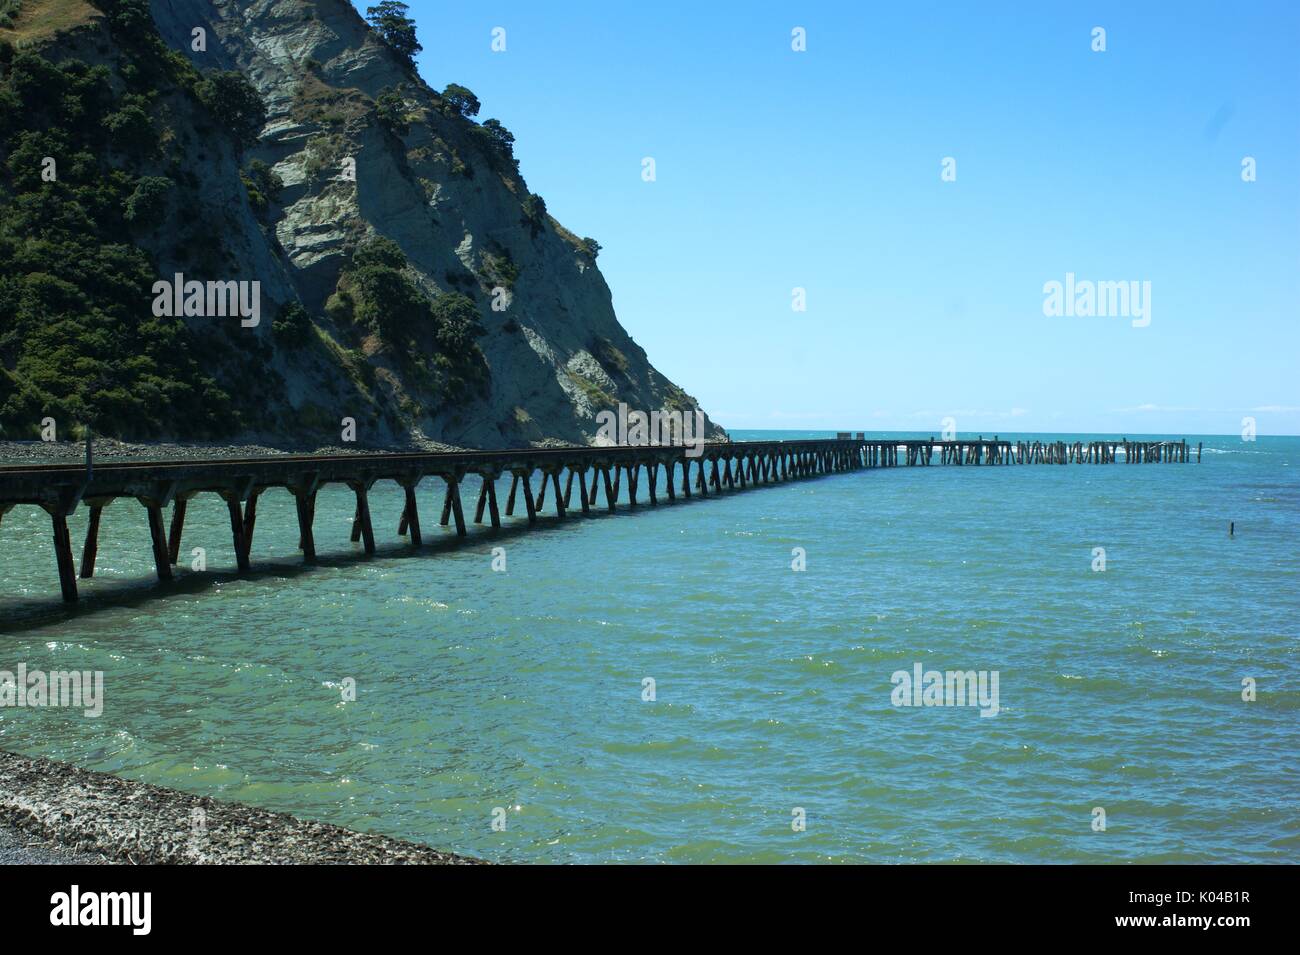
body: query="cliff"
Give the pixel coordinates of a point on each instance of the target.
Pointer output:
(380, 219)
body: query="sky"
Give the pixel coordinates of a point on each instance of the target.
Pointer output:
(821, 170)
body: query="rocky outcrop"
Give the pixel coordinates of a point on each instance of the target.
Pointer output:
(432, 181)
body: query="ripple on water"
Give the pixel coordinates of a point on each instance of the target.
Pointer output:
(524, 690)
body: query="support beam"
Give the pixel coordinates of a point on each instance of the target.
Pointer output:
(528, 498)
(445, 519)
(91, 546)
(582, 491)
(235, 508)
(453, 489)
(482, 500)
(158, 537)
(306, 506)
(610, 495)
(178, 525)
(412, 515)
(492, 504)
(510, 501)
(63, 557)
(356, 524)
(559, 498)
(363, 517)
(250, 521)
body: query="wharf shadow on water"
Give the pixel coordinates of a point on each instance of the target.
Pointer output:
(108, 594)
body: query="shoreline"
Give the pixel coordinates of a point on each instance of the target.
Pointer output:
(112, 450)
(52, 812)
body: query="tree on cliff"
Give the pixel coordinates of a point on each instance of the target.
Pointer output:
(235, 103)
(461, 101)
(397, 29)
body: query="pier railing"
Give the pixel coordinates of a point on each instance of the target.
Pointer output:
(712, 468)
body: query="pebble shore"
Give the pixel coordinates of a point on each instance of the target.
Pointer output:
(111, 450)
(53, 812)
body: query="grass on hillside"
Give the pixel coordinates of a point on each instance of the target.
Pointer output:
(25, 21)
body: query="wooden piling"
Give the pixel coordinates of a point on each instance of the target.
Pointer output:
(510, 501)
(250, 521)
(559, 498)
(363, 517)
(527, 480)
(492, 504)
(305, 504)
(234, 506)
(63, 557)
(356, 525)
(178, 526)
(158, 537)
(412, 515)
(445, 518)
(610, 494)
(453, 490)
(582, 490)
(91, 547)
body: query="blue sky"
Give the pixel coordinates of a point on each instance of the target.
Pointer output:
(821, 170)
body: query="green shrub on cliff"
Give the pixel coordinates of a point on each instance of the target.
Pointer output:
(458, 101)
(235, 103)
(395, 28)
(293, 325)
(78, 339)
(378, 295)
(9, 10)
(147, 206)
(263, 184)
(390, 112)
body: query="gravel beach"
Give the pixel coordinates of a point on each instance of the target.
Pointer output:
(20, 847)
(56, 813)
(111, 450)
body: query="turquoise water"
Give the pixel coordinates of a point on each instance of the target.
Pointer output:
(523, 689)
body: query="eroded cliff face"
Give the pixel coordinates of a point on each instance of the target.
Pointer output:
(433, 182)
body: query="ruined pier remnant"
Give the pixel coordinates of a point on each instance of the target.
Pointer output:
(712, 468)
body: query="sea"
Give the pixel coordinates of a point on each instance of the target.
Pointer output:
(720, 680)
